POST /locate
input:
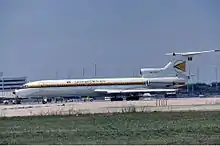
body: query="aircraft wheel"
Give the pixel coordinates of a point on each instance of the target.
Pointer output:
(132, 98)
(17, 101)
(117, 99)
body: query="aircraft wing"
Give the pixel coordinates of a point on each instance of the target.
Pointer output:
(127, 91)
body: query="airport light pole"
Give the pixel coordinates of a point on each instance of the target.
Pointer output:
(56, 74)
(69, 74)
(216, 78)
(193, 83)
(197, 75)
(1, 75)
(189, 80)
(83, 71)
(95, 70)
(133, 72)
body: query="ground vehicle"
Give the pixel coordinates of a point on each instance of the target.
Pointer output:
(87, 99)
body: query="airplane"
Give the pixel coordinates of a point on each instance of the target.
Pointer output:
(153, 81)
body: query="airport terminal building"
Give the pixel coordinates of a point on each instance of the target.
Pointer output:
(7, 85)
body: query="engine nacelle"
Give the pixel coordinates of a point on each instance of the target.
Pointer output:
(150, 72)
(156, 72)
(159, 84)
(165, 82)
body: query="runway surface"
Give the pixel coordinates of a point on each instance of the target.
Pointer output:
(109, 107)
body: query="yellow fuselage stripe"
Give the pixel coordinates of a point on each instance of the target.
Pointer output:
(85, 84)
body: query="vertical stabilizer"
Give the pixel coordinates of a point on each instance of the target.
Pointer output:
(181, 61)
(176, 67)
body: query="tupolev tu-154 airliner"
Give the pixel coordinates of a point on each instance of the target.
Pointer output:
(152, 81)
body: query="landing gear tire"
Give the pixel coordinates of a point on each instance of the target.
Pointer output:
(44, 101)
(166, 95)
(117, 99)
(132, 98)
(18, 101)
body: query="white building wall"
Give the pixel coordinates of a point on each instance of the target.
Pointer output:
(8, 85)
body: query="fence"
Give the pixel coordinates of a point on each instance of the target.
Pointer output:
(7, 94)
(161, 102)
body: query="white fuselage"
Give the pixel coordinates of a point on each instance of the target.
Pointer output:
(86, 87)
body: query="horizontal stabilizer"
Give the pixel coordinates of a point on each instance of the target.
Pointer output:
(192, 53)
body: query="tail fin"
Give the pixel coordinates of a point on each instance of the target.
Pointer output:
(173, 68)
(176, 67)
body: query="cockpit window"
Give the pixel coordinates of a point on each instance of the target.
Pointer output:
(23, 86)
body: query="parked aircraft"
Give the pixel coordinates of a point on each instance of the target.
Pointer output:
(154, 81)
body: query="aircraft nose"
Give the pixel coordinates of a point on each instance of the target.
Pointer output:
(14, 92)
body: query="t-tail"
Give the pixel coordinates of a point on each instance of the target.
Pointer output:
(177, 67)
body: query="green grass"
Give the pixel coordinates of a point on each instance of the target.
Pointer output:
(120, 128)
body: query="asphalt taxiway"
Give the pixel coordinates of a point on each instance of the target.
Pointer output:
(109, 107)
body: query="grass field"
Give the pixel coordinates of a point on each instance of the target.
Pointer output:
(121, 128)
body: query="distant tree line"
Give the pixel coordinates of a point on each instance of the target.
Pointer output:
(202, 88)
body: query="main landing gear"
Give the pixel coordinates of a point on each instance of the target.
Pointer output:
(131, 98)
(116, 99)
(128, 98)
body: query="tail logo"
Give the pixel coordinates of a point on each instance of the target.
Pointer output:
(180, 66)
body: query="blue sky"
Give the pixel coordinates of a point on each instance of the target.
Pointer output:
(45, 39)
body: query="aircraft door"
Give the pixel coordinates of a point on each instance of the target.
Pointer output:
(147, 83)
